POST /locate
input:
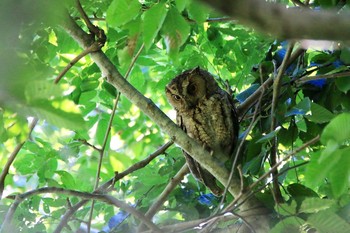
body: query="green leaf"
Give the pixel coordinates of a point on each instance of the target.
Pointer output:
(319, 114)
(198, 11)
(340, 175)
(55, 202)
(152, 22)
(327, 221)
(337, 130)
(67, 179)
(312, 205)
(175, 31)
(47, 169)
(27, 164)
(89, 85)
(287, 209)
(268, 136)
(41, 90)
(101, 130)
(46, 208)
(181, 4)
(333, 164)
(3, 132)
(288, 136)
(319, 167)
(122, 11)
(298, 190)
(345, 55)
(327, 3)
(344, 212)
(109, 88)
(137, 79)
(287, 225)
(301, 108)
(43, 109)
(343, 84)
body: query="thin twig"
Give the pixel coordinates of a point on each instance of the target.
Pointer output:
(92, 48)
(12, 157)
(249, 226)
(299, 3)
(88, 144)
(93, 29)
(321, 76)
(275, 98)
(92, 18)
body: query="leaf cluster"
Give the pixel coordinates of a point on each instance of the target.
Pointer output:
(65, 146)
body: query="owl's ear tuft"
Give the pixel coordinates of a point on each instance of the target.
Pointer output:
(196, 70)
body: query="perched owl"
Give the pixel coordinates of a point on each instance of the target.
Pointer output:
(207, 114)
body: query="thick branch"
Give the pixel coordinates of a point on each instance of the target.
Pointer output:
(282, 22)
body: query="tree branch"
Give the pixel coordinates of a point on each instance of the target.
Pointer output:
(283, 22)
(275, 96)
(322, 76)
(92, 48)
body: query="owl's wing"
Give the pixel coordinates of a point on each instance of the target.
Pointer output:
(196, 169)
(202, 175)
(191, 163)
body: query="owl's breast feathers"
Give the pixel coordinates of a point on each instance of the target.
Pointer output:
(213, 123)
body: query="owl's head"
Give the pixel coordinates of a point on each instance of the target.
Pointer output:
(187, 89)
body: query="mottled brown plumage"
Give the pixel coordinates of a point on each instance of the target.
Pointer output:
(206, 113)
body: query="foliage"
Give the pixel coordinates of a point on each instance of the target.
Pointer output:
(65, 146)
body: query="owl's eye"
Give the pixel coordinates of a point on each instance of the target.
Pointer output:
(176, 97)
(191, 89)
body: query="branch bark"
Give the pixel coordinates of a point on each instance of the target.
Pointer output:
(151, 110)
(288, 23)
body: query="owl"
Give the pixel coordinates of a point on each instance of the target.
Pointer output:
(207, 114)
